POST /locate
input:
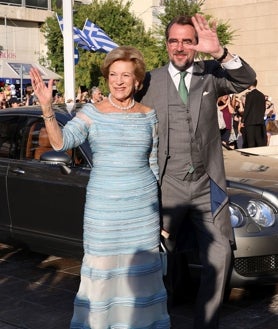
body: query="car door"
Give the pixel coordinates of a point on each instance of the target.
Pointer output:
(6, 133)
(4, 209)
(46, 205)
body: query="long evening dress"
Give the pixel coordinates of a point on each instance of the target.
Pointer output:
(121, 275)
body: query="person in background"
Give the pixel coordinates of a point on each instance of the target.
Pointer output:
(30, 98)
(253, 118)
(192, 177)
(82, 95)
(14, 102)
(224, 105)
(95, 95)
(270, 112)
(272, 132)
(271, 122)
(237, 103)
(3, 100)
(121, 275)
(58, 98)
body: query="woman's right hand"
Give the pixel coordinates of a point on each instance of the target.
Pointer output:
(41, 90)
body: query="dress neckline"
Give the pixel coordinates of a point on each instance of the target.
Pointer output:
(125, 113)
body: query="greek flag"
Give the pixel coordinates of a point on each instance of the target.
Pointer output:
(82, 41)
(61, 22)
(91, 37)
(98, 38)
(78, 36)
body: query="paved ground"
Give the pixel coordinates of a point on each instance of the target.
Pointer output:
(37, 292)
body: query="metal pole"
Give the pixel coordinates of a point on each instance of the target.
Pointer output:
(21, 83)
(69, 72)
(6, 33)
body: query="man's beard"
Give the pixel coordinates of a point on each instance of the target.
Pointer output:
(183, 66)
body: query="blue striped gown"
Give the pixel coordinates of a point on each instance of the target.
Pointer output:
(121, 274)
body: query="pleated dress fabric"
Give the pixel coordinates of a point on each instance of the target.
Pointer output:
(121, 274)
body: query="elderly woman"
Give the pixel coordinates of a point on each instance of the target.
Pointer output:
(121, 274)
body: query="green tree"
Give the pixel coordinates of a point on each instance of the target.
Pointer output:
(119, 24)
(124, 28)
(189, 7)
(178, 7)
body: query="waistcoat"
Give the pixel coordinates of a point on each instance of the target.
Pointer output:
(184, 162)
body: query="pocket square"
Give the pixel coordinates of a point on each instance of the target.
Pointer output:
(205, 93)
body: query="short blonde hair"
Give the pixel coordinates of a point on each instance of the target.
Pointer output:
(129, 54)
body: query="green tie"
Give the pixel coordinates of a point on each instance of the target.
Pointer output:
(182, 87)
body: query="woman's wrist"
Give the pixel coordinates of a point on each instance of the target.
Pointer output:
(47, 110)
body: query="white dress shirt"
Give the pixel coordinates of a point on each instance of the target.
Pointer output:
(234, 63)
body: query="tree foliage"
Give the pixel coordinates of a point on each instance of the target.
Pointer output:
(189, 7)
(124, 28)
(119, 24)
(178, 7)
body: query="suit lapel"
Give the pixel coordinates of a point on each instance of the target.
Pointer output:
(162, 102)
(195, 94)
(161, 105)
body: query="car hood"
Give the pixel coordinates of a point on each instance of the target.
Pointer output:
(254, 166)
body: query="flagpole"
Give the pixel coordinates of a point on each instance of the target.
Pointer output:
(69, 69)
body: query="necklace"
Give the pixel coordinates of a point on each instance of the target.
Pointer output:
(123, 108)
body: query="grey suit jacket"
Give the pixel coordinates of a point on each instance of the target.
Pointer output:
(209, 81)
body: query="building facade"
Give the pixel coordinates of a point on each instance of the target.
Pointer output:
(255, 23)
(255, 26)
(147, 10)
(20, 36)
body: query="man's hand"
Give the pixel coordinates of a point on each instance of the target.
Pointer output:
(208, 41)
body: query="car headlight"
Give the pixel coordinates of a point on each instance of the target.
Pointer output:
(236, 216)
(261, 213)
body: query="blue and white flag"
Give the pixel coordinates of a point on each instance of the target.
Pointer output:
(82, 41)
(61, 22)
(98, 37)
(79, 36)
(91, 37)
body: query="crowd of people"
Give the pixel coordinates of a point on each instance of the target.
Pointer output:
(238, 125)
(247, 120)
(238, 128)
(10, 97)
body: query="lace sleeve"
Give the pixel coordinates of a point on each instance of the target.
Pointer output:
(153, 154)
(76, 130)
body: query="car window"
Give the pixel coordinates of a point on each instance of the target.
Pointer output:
(37, 141)
(11, 137)
(25, 138)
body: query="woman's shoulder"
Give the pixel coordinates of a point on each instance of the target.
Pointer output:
(89, 108)
(148, 112)
(144, 109)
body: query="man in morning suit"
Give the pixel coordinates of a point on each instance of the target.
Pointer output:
(192, 176)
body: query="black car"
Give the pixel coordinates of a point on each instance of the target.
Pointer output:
(41, 202)
(42, 195)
